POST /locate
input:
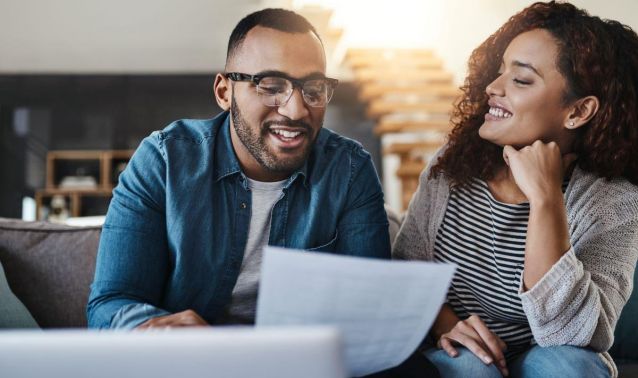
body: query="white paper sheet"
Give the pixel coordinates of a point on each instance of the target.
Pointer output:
(382, 308)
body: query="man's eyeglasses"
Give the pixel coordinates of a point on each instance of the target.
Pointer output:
(276, 90)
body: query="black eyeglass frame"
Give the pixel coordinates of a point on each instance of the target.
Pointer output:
(296, 83)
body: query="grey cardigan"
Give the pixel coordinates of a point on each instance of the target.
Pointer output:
(579, 301)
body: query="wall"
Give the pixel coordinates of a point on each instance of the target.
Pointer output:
(116, 36)
(190, 36)
(469, 22)
(124, 37)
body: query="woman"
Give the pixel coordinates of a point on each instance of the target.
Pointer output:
(535, 199)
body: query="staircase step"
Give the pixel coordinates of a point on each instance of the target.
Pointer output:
(386, 126)
(372, 90)
(380, 107)
(411, 169)
(387, 54)
(430, 62)
(406, 148)
(397, 75)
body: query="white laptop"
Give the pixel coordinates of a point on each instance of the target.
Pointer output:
(191, 353)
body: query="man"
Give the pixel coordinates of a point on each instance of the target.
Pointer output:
(183, 237)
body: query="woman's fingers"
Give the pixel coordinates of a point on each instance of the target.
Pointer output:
(493, 342)
(507, 152)
(474, 335)
(446, 345)
(473, 344)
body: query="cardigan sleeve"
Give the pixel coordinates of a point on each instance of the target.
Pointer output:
(410, 242)
(579, 300)
(427, 206)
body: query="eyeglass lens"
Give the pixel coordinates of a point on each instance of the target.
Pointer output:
(276, 91)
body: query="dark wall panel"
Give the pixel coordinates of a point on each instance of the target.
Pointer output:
(39, 113)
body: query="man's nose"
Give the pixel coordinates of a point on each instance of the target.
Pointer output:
(296, 107)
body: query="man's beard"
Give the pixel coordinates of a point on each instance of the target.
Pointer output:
(255, 142)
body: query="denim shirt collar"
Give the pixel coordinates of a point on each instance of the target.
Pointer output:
(226, 162)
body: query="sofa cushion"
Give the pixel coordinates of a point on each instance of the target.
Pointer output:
(627, 368)
(13, 314)
(50, 268)
(626, 333)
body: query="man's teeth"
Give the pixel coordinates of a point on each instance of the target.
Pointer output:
(286, 134)
(498, 112)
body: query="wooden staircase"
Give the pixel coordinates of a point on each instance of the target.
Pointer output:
(320, 18)
(409, 95)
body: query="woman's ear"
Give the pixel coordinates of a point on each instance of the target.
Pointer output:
(582, 111)
(222, 89)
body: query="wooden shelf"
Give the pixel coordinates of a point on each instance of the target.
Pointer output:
(104, 173)
(68, 191)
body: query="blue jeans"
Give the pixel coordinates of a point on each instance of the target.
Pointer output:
(538, 362)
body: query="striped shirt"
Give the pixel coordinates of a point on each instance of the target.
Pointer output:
(486, 239)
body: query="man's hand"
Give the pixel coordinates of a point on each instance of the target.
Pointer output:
(188, 318)
(473, 334)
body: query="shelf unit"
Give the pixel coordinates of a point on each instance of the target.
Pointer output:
(102, 165)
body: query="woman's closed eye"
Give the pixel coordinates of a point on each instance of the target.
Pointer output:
(522, 82)
(517, 81)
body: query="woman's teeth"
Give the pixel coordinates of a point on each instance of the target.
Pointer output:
(498, 112)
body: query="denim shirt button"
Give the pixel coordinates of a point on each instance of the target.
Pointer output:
(243, 205)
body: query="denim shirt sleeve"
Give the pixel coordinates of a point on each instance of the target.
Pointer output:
(363, 226)
(133, 258)
(134, 314)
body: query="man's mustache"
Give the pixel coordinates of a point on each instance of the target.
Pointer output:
(288, 123)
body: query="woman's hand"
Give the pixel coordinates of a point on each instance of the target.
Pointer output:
(473, 334)
(538, 169)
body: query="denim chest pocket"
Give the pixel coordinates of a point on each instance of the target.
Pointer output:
(328, 247)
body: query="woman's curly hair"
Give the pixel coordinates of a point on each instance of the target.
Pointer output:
(596, 57)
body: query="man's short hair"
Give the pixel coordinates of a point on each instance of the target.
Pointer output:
(275, 18)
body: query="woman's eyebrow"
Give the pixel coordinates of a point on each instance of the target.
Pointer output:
(529, 66)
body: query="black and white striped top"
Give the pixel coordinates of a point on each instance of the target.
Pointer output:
(486, 239)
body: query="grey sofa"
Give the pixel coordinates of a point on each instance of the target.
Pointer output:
(50, 267)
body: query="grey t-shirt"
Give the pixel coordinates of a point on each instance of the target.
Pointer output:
(241, 309)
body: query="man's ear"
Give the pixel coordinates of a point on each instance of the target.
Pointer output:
(222, 89)
(583, 110)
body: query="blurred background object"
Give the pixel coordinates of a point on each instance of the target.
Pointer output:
(96, 76)
(59, 211)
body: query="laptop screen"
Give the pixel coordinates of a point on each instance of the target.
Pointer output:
(229, 352)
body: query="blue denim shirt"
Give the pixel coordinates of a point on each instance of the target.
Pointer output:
(176, 229)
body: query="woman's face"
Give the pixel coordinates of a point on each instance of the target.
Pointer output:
(526, 99)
